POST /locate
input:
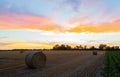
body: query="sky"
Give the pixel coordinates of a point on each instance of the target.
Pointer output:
(44, 23)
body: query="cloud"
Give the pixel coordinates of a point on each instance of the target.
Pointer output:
(75, 4)
(3, 37)
(20, 21)
(116, 19)
(89, 3)
(4, 44)
(77, 24)
(94, 25)
(99, 28)
(46, 24)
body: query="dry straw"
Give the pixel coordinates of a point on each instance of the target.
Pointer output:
(35, 60)
(94, 52)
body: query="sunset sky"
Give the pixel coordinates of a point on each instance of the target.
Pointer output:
(44, 23)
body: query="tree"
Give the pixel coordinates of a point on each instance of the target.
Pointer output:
(56, 47)
(116, 47)
(108, 48)
(85, 47)
(92, 48)
(68, 47)
(62, 47)
(102, 46)
(80, 47)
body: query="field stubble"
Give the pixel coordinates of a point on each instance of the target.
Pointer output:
(59, 64)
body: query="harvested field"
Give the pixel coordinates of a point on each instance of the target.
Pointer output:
(59, 64)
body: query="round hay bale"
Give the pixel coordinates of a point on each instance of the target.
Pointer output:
(36, 60)
(94, 52)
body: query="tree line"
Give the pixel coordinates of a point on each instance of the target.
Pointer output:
(80, 47)
(68, 47)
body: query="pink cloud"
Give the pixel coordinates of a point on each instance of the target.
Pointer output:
(89, 3)
(116, 19)
(15, 21)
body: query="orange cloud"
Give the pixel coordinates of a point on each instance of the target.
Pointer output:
(87, 24)
(26, 22)
(84, 24)
(103, 28)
